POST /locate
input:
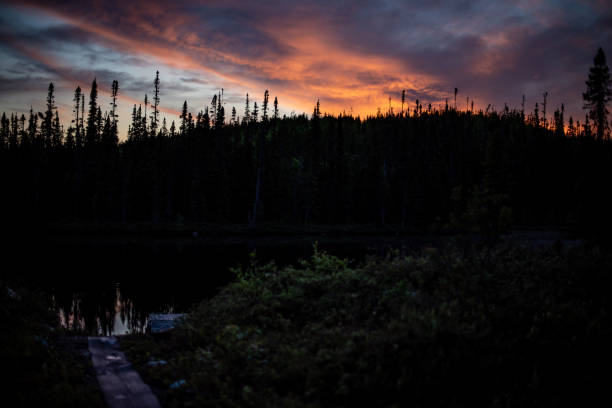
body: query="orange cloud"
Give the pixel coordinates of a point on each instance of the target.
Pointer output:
(356, 55)
(315, 67)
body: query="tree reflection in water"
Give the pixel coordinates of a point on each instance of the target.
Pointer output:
(101, 311)
(128, 281)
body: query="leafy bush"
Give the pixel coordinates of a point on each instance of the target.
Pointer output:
(504, 326)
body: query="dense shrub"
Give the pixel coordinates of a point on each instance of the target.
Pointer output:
(507, 326)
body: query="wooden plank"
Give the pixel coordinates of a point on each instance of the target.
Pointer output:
(121, 386)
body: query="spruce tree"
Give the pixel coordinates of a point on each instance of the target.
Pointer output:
(155, 104)
(92, 130)
(47, 126)
(32, 126)
(275, 107)
(143, 119)
(107, 132)
(535, 120)
(56, 131)
(220, 119)
(213, 108)
(82, 115)
(99, 124)
(190, 124)
(132, 127)
(183, 128)
(164, 128)
(586, 126)
(544, 122)
(206, 119)
(77, 111)
(597, 95)
(114, 116)
(571, 130)
(4, 131)
(560, 121)
(22, 130)
(317, 110)
(247, 111)
(255, 112)
(265, 106)
(114, 93)
(13, 136)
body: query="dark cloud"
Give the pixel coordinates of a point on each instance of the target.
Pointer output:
(351, 53)
(9, 84)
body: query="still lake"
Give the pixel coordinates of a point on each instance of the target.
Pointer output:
(109, 285)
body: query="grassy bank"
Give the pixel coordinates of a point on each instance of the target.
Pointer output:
(41, 365)
(490, 327)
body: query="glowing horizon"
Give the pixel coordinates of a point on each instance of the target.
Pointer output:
(352, 57)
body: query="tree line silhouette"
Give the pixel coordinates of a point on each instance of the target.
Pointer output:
(416, 167)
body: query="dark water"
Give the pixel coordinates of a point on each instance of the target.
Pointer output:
(109, 285)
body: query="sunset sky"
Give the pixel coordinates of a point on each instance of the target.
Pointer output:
(353, 55)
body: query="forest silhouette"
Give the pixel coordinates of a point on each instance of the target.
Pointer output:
(414, 168)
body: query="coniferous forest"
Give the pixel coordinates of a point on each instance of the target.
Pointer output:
(413, 168)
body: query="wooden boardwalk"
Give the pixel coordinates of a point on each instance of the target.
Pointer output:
(121, 385)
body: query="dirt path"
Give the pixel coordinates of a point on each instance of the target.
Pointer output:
(121, 385)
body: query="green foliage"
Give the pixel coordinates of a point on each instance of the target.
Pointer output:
(253, 271)
(504, 326)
